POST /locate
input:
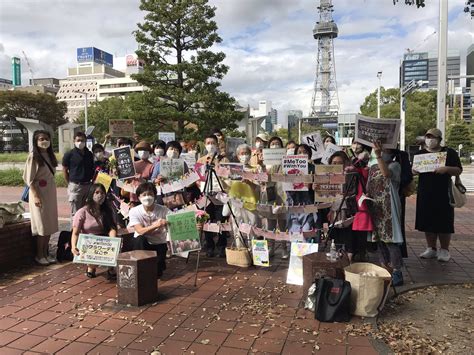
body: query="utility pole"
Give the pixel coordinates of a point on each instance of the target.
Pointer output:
(379, 75)
(442, 58)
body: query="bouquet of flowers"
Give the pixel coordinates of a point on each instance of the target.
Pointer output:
(202, 216)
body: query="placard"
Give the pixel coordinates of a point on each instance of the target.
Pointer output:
(292, 165)
(328, 152)
(231, 147)
(327, 192)
(273, 156)
(189, 159)
(315, 141)
(104, 179)
(429, 162)
(295, 267)
(260, 253)
(121, 128)
(124, 158)
(171, 169)
(183, 232)
(329, 169)
(370, 129)
(234, 171)
(97, 250)
(167, 136)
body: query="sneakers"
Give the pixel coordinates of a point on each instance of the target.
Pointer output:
(397, 278)
(51, 259)
(42, 261)
(443, 255)
(429, 253)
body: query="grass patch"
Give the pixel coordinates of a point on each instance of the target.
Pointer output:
(14, 177)
(20, 157)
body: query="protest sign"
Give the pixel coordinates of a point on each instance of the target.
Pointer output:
(260, 253)
(171, 169)
(189, 159)
(121, 128)
(233, 171)
(104, 179)
(125, 167)
(328, 152)
(327, 192)
(231, 147)
(369, 130)
(183, 232)
(97, 250)
(273, 156)
(315, 141)
(292, 165)
(295, 267)
(166, 136)
(426, 163)
(329, 169)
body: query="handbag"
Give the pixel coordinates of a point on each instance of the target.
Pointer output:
(238, 256)
(457, 193)
(333, 300)
(25, 195)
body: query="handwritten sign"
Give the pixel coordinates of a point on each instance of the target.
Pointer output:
(429, 162)
(172, 169)
(104, 179)
(97, 250)
(260, 253)
(315, 141)
(166, 136)
(189, 159)
(293, 165)
(233, 171)
(327, 192)
(121, 128)
(328, 152)
(370, 129)
(183, 232)
(295, 267)
(125, 167)
(328, 169)
(273, 156)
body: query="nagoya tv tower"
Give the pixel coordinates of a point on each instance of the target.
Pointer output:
(325, 102)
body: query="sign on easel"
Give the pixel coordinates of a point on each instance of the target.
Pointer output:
(183, 232)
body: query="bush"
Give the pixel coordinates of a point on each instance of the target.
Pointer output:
(20, 157)
(14, 177)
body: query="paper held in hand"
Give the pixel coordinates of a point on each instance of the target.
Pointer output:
(429, 162)
(315, 141)
(97, 250)
(384, 130)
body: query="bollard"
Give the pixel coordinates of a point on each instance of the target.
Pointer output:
(137, 277)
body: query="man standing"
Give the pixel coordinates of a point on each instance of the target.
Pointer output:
(78, 170)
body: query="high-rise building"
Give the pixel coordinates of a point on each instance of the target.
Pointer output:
(293, 117)
(470, 66)
(265, 109)
(16, 71)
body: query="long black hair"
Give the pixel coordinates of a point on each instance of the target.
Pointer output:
(106, 214)
(36, 152)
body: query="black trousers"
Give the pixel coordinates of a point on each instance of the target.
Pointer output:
(141, 243)
(215, 214)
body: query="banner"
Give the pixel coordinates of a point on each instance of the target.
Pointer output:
(125, 167)
(295, 267)
(315, 141)
(97, 250)
(330, 150)
(260, 253)
(171, 169)
(167, 136)
(183, 232)
(293, 165)
(370, 129)
(273, 156)
(121, 128)
(104, 179)
(429, 162)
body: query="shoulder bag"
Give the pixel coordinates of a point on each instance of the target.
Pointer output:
(333, 300)
(457, 193)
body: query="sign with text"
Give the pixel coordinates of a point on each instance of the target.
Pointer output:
(273, 156)
(328, 152)
(121, 128)
(189, 158)
(260, 253)
(385, 130)
(295, 267)
(183, 232)
(97, 250)
(429, 162)
(329, 169)
(125, 167)
(171, 169)
(104, 179)
(315, 141)
(167, 136)
(295, 165)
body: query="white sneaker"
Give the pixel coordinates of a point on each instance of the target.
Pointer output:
(42, 261)
(429, 253)
(443, 255)
(285, 255)
(51, 259)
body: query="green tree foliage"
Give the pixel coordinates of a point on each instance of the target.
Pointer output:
(182, 73)
(458, 133)
(43, 107)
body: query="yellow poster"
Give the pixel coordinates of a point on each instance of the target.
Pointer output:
(104, 179)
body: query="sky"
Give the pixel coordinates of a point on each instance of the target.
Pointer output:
(268, 44)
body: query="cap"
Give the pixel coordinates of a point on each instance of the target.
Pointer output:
(263, 136)
(142, 145)
(434, 132)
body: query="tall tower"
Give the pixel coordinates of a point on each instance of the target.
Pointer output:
(325, 102)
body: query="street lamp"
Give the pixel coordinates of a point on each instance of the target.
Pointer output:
(85, 109)
(379, 75)
(404, 90)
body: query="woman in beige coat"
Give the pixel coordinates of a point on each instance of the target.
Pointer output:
(39, 176)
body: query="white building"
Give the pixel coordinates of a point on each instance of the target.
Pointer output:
(5, 84)
(265, 109)
(117, 87)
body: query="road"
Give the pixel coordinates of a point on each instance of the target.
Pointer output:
(467, 177)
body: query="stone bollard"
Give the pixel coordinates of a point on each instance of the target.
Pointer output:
(137, 277)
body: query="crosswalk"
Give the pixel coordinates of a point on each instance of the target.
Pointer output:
(467, 177)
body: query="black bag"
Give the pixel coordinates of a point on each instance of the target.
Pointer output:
(64, 252)
(333, 300)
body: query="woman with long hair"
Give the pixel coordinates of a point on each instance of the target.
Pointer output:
(95, 217)
(39, 176)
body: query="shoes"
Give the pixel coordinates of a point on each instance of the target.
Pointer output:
(42, 261)
(397, 278)
(51, 260)
(285, 255)
(210, 253)
(429, 253)
(91, 274)
(443, 255)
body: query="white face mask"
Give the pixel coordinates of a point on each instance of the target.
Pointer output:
(147, 201)
(98, 198)
(259, 145)
(211, 148)
(143, 154)
(99, 155)
(172, 154)
(159, 152)
(431, 143)
(79, 145)
(44, 144)
(244, 159)
(290, 151)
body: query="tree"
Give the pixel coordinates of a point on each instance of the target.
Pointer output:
(43, 107)
(458, 133)
(183, 75)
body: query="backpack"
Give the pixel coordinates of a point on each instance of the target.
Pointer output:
(64, 252)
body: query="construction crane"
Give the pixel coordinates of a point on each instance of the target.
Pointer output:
(29, 68)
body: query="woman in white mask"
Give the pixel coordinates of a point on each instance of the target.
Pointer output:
(172, 150)
(94, 218)
(261, 142)
(159, 150)
(143, 166)
(101, 163)
(434, 214)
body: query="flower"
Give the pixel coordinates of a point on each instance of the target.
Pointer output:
(202, 216)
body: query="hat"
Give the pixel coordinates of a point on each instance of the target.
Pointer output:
(142, 145)
(434, 132)
(263, 136)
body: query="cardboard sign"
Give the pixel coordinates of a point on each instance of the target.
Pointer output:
(429, 162)
(104, 179)
(167, 136)
(295, 267)
(273, 156)
(233, 171)
(260, 253)
(327, 192)
(328, 152)
(121, 128)
(124, 158)
(329, 169)
(315, 141)
(171, 169)
(371, 129)
(189, 158)
(292, 165)
(97, 250)
(183, 232)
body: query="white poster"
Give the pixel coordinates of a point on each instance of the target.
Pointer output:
(172, 169)
(273, 156)
(260, 253)
(295, 165)
(328, 152)
(429, 162)
(189, 158)
(167, 136)
(295, 268)
(383, 129)
(315, 141)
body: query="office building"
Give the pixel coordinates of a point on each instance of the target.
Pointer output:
(265, 109)
(117, 87)
(470, 67)
(5, 84)
(293, 118)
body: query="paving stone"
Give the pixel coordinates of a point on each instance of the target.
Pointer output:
(26, 342)
(7, 337)
(50, 345)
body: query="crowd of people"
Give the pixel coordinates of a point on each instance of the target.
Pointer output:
(358, 223)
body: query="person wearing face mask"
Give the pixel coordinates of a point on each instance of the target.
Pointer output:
(78, 171)
(434, 214)
(172, 151)
(39, 176)
(383, 186)
(149, 222)
(96, 218)
(261, 141)
(143, 166)
(101, 163)
(290, 147)
(328, 139)
(159, 150)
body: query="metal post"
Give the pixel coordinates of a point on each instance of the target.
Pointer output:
(402, 120)
(442, 58)
(379, 75)
(85, 112)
